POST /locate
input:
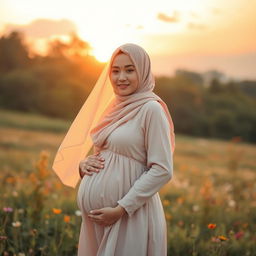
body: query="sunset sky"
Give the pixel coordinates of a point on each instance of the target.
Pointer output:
(196, 35)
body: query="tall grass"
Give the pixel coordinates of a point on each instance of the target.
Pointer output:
(209, 204)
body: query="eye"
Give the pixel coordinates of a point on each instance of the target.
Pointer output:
(115, 71)
(130, 70)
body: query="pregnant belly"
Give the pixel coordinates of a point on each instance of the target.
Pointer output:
(105, 188)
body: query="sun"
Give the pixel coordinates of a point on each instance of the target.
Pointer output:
(101, 55)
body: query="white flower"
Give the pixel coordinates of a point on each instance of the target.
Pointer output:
(231, 203)
(15, 193)
(21, 210)
(16, 224)
(78, 213)
(195, 208)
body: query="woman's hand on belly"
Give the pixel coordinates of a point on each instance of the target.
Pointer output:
(107, 216)
(92, 163)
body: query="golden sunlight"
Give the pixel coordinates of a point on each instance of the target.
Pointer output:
(101, 55)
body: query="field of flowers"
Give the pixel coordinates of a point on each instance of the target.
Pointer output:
(210, 204)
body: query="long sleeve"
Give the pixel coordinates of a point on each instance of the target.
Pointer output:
(159, 160)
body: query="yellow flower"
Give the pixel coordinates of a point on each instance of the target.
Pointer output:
(166, 202)
(211, 226)
(66, 218)
(222, 238)
(47, 216)
(56, 211)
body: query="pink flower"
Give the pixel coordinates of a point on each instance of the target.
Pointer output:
(239, 234)
(7, 209)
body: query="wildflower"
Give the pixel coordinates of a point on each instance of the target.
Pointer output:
(195, 208)
(47, 216)
(236, 139)
(211, 226)
(166, 202)
(181, 223)
(8, 209)
(206, 189)
(180, 200)
(168, 216)
(15, 193)
(193, 225)
(231, 232)
(215, 239)
(33, 232)
(42, 164)
(231, 203)
(222, 238)
(10, 180)
(2, 238)
(239, 234)
(56, 211)
(55, 196)
(66, 218)
(16, 224)
(20, 210)
(78, 213)
(245, 225)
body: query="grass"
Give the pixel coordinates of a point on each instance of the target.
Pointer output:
(214, 182)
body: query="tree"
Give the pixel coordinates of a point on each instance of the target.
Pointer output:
(13, 52)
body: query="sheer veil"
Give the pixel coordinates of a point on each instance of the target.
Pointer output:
(102, 112)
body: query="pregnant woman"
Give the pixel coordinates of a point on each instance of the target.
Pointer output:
(129, 127)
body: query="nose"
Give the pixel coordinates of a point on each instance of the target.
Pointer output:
(122, 76)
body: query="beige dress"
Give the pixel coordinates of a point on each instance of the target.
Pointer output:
(138, 162)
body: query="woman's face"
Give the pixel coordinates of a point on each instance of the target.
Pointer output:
(123, 75)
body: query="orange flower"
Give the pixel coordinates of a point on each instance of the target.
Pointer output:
(211, 226)
(56, 211)
(222, 238)
(236, 139)
(168, 216)
(180, 200)
(66, 218)
(166, 202)
(10, 180)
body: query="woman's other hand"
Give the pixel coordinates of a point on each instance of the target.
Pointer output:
(107, 216)
(92, 163)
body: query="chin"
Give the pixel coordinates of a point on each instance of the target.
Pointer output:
(124, 93)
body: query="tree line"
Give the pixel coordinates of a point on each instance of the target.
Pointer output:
(58, 83)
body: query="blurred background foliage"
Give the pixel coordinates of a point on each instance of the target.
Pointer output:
(57, 84)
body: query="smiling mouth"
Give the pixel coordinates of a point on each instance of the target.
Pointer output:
(123, 86)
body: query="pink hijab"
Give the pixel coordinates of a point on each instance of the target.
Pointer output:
(103, 112)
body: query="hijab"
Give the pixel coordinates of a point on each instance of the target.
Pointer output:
(103, 112)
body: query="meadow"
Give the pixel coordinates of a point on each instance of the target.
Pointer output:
(210, 203)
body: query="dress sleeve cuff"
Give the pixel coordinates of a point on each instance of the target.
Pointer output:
(129, 209)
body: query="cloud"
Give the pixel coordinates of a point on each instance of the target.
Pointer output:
(170, 19)
(43, 28)
(198, 26)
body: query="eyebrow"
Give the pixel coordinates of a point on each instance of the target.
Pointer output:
(126, 66)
